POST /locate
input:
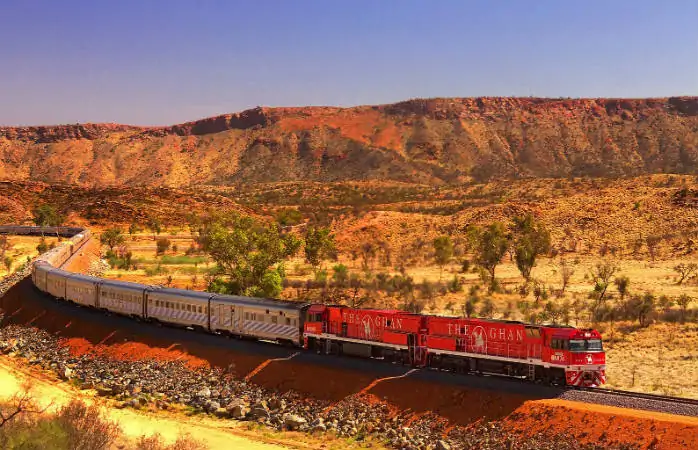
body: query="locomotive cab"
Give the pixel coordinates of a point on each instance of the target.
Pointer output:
(314, 325)
(579, 353)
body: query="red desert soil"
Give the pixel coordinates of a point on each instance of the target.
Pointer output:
(605, 424)
(132, 351)
(81, 261)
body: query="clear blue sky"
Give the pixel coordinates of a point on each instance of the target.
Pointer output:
(162, 62)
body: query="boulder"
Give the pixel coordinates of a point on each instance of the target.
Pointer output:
(277, 404)
(238, 409)
(259, 412)
(294, 422)
(205, 393)
(66, 373)
(211, 406)
(221, 412)
(104, 391)
(442, 445)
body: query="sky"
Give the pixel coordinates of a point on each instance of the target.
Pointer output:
(160, 62)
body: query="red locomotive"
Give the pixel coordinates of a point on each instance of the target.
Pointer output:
(558, 355)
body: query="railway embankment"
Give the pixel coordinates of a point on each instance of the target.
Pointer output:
(6, 283)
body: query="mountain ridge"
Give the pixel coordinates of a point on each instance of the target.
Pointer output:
(439, 140)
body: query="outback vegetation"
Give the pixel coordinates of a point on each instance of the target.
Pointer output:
(617, 254)
(24, 424)
(503, 259)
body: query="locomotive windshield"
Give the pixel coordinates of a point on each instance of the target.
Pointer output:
(590, 345)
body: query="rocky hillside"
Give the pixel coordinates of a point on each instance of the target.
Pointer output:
(423, 141)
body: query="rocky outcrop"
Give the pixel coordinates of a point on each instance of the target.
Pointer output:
(445, 140)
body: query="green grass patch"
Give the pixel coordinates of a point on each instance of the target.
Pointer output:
(175, 260)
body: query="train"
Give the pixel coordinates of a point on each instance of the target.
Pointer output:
(557, 355)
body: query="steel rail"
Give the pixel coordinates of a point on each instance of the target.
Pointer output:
(638, 395)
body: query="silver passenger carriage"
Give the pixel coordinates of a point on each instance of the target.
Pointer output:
(122, 297)
(40, 271)
(179, 307)
(262, 318)
(56, 282)
(81, 289)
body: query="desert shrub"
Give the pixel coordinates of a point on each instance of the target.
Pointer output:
(32, 433)
(42, 247)
(7, 262)
(288, 216)
(85, 427)
(162, 244)
(112, 238)
(340, 275)
(157, 270)
(155, 442)
(487, 309)
(321, 276)
(183, 259)
(455, 285)
(75, 427)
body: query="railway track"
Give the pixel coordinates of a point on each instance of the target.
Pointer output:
(642, 395)
(633, 400)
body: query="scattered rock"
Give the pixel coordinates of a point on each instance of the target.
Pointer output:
(442, 445)
(238, 409)
(104, 391)
(67, 373)
(294, 422)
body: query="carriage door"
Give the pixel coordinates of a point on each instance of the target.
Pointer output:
(225, 316)
(237, 319)
(411, 344)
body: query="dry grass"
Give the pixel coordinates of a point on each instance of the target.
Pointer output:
(660, 359)
(19, 248)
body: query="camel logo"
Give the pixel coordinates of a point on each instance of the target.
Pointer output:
(479, 340)
(367, 326)
(590, 359)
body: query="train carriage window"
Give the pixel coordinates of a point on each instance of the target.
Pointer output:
(247, 316)
(274, 319)
(188, 308)
(288, 321)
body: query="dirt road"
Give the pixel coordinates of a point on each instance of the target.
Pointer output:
(215, 434)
